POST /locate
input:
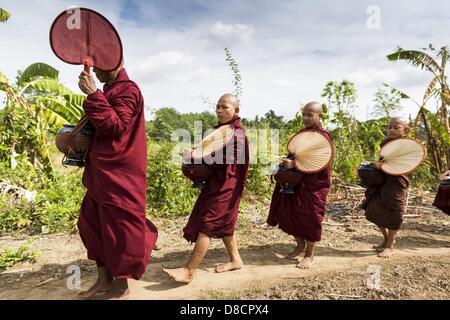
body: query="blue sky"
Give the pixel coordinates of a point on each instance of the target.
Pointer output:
(287, 50)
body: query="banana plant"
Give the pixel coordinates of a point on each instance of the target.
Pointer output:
(40, 103)
(4, 15)
(438, 86)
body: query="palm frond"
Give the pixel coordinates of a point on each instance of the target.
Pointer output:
(416, 58)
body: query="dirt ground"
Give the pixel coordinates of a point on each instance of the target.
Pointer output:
(419, 269)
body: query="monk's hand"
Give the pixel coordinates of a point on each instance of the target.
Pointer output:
(445, 175)
(187, 154)
(288, 163)
(87, 83)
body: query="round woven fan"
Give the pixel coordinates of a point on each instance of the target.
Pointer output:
(312, 150)
(83, 36)
(402, 156)
(214, 141)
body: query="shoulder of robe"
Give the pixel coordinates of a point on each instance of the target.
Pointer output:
(127, 90)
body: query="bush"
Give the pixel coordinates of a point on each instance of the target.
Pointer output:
(56, 205)
(168, 191)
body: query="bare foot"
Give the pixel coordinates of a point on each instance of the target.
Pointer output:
(100, 286)
(297, 251)
(182, 275)
(386, 253)
(305, 263)
(381, 246)
(230, 266)
(115, 293)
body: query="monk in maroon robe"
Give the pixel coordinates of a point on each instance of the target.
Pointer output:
(386, 203)
(216, 211)
(442, 199)
(112, 223)
(301, 214)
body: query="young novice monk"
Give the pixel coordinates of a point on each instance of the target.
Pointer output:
(386, 203)
(216, 210)
(301, 214)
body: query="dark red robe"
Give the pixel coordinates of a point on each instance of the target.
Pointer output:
(301, 214)
(215, 212)
(386, 203)
(113, 224)
(442, 200)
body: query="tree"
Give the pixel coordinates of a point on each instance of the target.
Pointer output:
(386, 103)
(341, 97)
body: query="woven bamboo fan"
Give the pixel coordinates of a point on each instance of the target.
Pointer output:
(312, 150)
(214, 141)
(402, 156)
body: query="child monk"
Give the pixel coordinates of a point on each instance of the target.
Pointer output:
(215, 213)
(386, 203)
(301, 214)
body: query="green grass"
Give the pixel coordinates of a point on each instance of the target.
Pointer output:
(10, 256)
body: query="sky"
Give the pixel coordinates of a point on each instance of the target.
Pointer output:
(286, 50)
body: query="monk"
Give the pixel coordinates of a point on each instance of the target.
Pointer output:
(385, 204)
(301, 214)
(112, 223)
(215, 212)
(442, 199)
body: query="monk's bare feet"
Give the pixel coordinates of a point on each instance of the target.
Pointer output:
(118, 291)
(230, 266)
(100, 286)
(379, 247)
(297, 251)
(386, 253)
(182, 275)
(305, 263)
(115, 294)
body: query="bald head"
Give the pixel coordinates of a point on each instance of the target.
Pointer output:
(398, 127)
(230, 98)
(400, 120)
(312, 113)
(314, 106)
(227, 107)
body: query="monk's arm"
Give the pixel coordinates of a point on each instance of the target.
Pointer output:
(112, 118)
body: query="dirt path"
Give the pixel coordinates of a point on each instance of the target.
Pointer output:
(346, 247)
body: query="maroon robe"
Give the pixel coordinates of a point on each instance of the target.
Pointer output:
(386, 203)
(442, 200)
(301, 214)
(112, 223)
(215, 212)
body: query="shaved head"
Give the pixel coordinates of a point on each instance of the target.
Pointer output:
(231, 98)
(312, 113)
(227, 107)
(400, 120)
(397, 128)
(314, 106)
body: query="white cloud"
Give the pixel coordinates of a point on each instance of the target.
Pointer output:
(229, 34)
(373, 76)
